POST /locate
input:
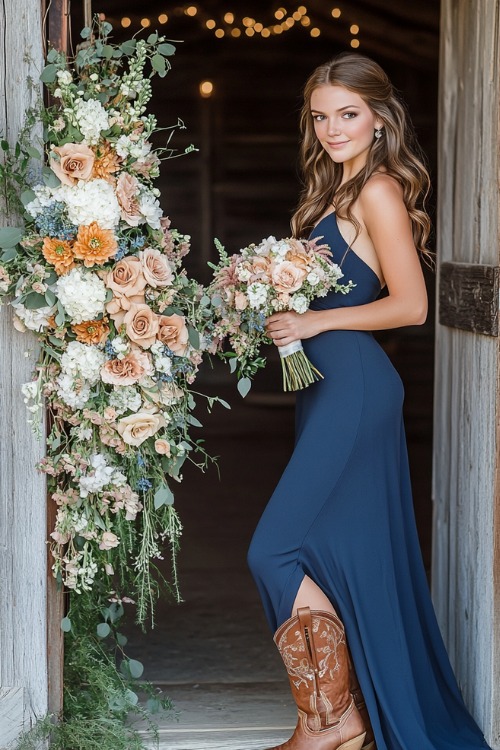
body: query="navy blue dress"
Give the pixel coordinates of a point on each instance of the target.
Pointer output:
(342, 514)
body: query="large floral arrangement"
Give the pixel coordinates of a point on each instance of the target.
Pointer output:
(247, 287)
(96, 273)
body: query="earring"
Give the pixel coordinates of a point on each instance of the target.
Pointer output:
(378, 133)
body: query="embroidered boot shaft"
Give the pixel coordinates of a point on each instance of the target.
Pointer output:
(314, 651)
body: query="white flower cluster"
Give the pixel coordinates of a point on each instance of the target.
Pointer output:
(42, 200)
(162, 363)
(127, 145)
(125, 398)
(257, 295)
(88, 201)
(82, 294)
(74, 396)
(120, 346)
(91, 118)
(100, 476)
(299, 303)
(150, 208)
(83, 361)
(35, 320)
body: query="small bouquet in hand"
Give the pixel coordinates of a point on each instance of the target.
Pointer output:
(249, 286)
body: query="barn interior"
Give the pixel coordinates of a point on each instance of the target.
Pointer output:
(235, 85)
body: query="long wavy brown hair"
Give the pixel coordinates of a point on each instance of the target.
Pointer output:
(396, 153)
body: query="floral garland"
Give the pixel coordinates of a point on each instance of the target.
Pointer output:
(96, 273)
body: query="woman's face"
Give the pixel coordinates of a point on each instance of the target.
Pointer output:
(344, 124)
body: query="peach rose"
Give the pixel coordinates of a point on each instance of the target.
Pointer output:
(72, 162)
(173, 333)
(109, 540)
(137, 428)
(162, 447)
(298, 259)
(240, 301)
(126, 371)
(127, 283)
(156, 268)
(127, 188)
(142, 325)
(286, 277)
(260, 268)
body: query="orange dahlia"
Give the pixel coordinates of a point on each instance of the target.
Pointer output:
(91, 331)
(106, 163)
(94, 245)
(59, 253)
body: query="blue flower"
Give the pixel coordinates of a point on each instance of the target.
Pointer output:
(143, 484)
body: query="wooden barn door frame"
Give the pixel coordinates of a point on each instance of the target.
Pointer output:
(466, 462)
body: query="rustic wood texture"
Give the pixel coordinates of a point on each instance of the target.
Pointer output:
(468, 297)
(465, 486)
(23, 652)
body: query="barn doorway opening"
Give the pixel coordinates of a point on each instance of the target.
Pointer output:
(213, 654)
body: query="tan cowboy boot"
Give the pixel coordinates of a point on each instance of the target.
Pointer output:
(313, 648)
(359, 701)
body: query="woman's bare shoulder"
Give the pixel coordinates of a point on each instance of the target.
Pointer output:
(380, 186)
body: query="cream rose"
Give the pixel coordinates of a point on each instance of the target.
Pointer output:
(72, 162)
(126, 371)
(260, 269)
(127, 283)
(286, 277)
(137, 428)
(127, 189)
(173, 333)
(156, 268)
(162, 447)
(108, 540)
(142, 325)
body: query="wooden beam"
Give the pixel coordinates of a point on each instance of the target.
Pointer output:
(469, 296)
(58, 24)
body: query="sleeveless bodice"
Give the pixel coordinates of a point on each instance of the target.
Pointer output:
(353, 267)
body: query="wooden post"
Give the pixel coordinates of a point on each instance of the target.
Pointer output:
(466, 484)
(23, 555)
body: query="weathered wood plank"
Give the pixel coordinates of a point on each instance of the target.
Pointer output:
(468, 297)
(23, 652)
(465, 473)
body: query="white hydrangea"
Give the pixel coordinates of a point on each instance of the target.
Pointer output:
(64, 77)
(35, 320)
(163, 364)
(313, 278)
(280, 248)
(91, 118)
(42, 200)
(125, 398)
(150, 208)
(299, 303)
(257, 295)
(126, 146)
(83, 361)
(120, 346)
(243, 273)
(74, 397)
(99, 476)
(82, 294)
(92, 200)
(264, 248)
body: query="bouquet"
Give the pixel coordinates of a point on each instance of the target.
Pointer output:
(273, 276)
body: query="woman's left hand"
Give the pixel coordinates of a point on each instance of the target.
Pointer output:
(285, 327)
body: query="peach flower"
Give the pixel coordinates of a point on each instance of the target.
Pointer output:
(142, 325)
(240, 301)
(106, 162)
(162, 447)
(127, 283)
(173, 333)
(126, 371)
(91, 331)
(127, 189)
(94, 245)
(109, 540)
(72, 162)
(286, 277)
(260, 268)
(58, 253)
(156, 268)
(298, 259)
(136, 428)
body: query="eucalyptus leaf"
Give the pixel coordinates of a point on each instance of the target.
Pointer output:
(166, 49)
(27, 196)
(50, 298)
(98, 521)
(128, 47)
(8, 255)
(103, 630)
(233, 364)
(135, 668)
(153, 705)
(34, 300)
(121, 639)
(10, 237)
(50, 178)
(163, 496)
(153, 38)
(85, 32)
(49, 73)
(52, 55)
(107, 51)
(106, 28)
(158, 64)
(65, 624)
(132, 697)
(223, 403)
(193, 421)
(60, 318)
(194, 337)
(33, 152)
(244, 386)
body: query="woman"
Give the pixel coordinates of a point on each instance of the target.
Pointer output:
(335, 555)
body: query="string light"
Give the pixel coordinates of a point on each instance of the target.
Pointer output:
(302, 10)
(258, 27)
(305, 21)
(266, 33)
(163, 18)
(126, 22)
(236, 32)
(336, 12)
(145, 22)
(354, 29)
(229, 17)
(315, 31)
(206, 89)
(355, 43)
(210, 24)
(219, 33)
(191, 11)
